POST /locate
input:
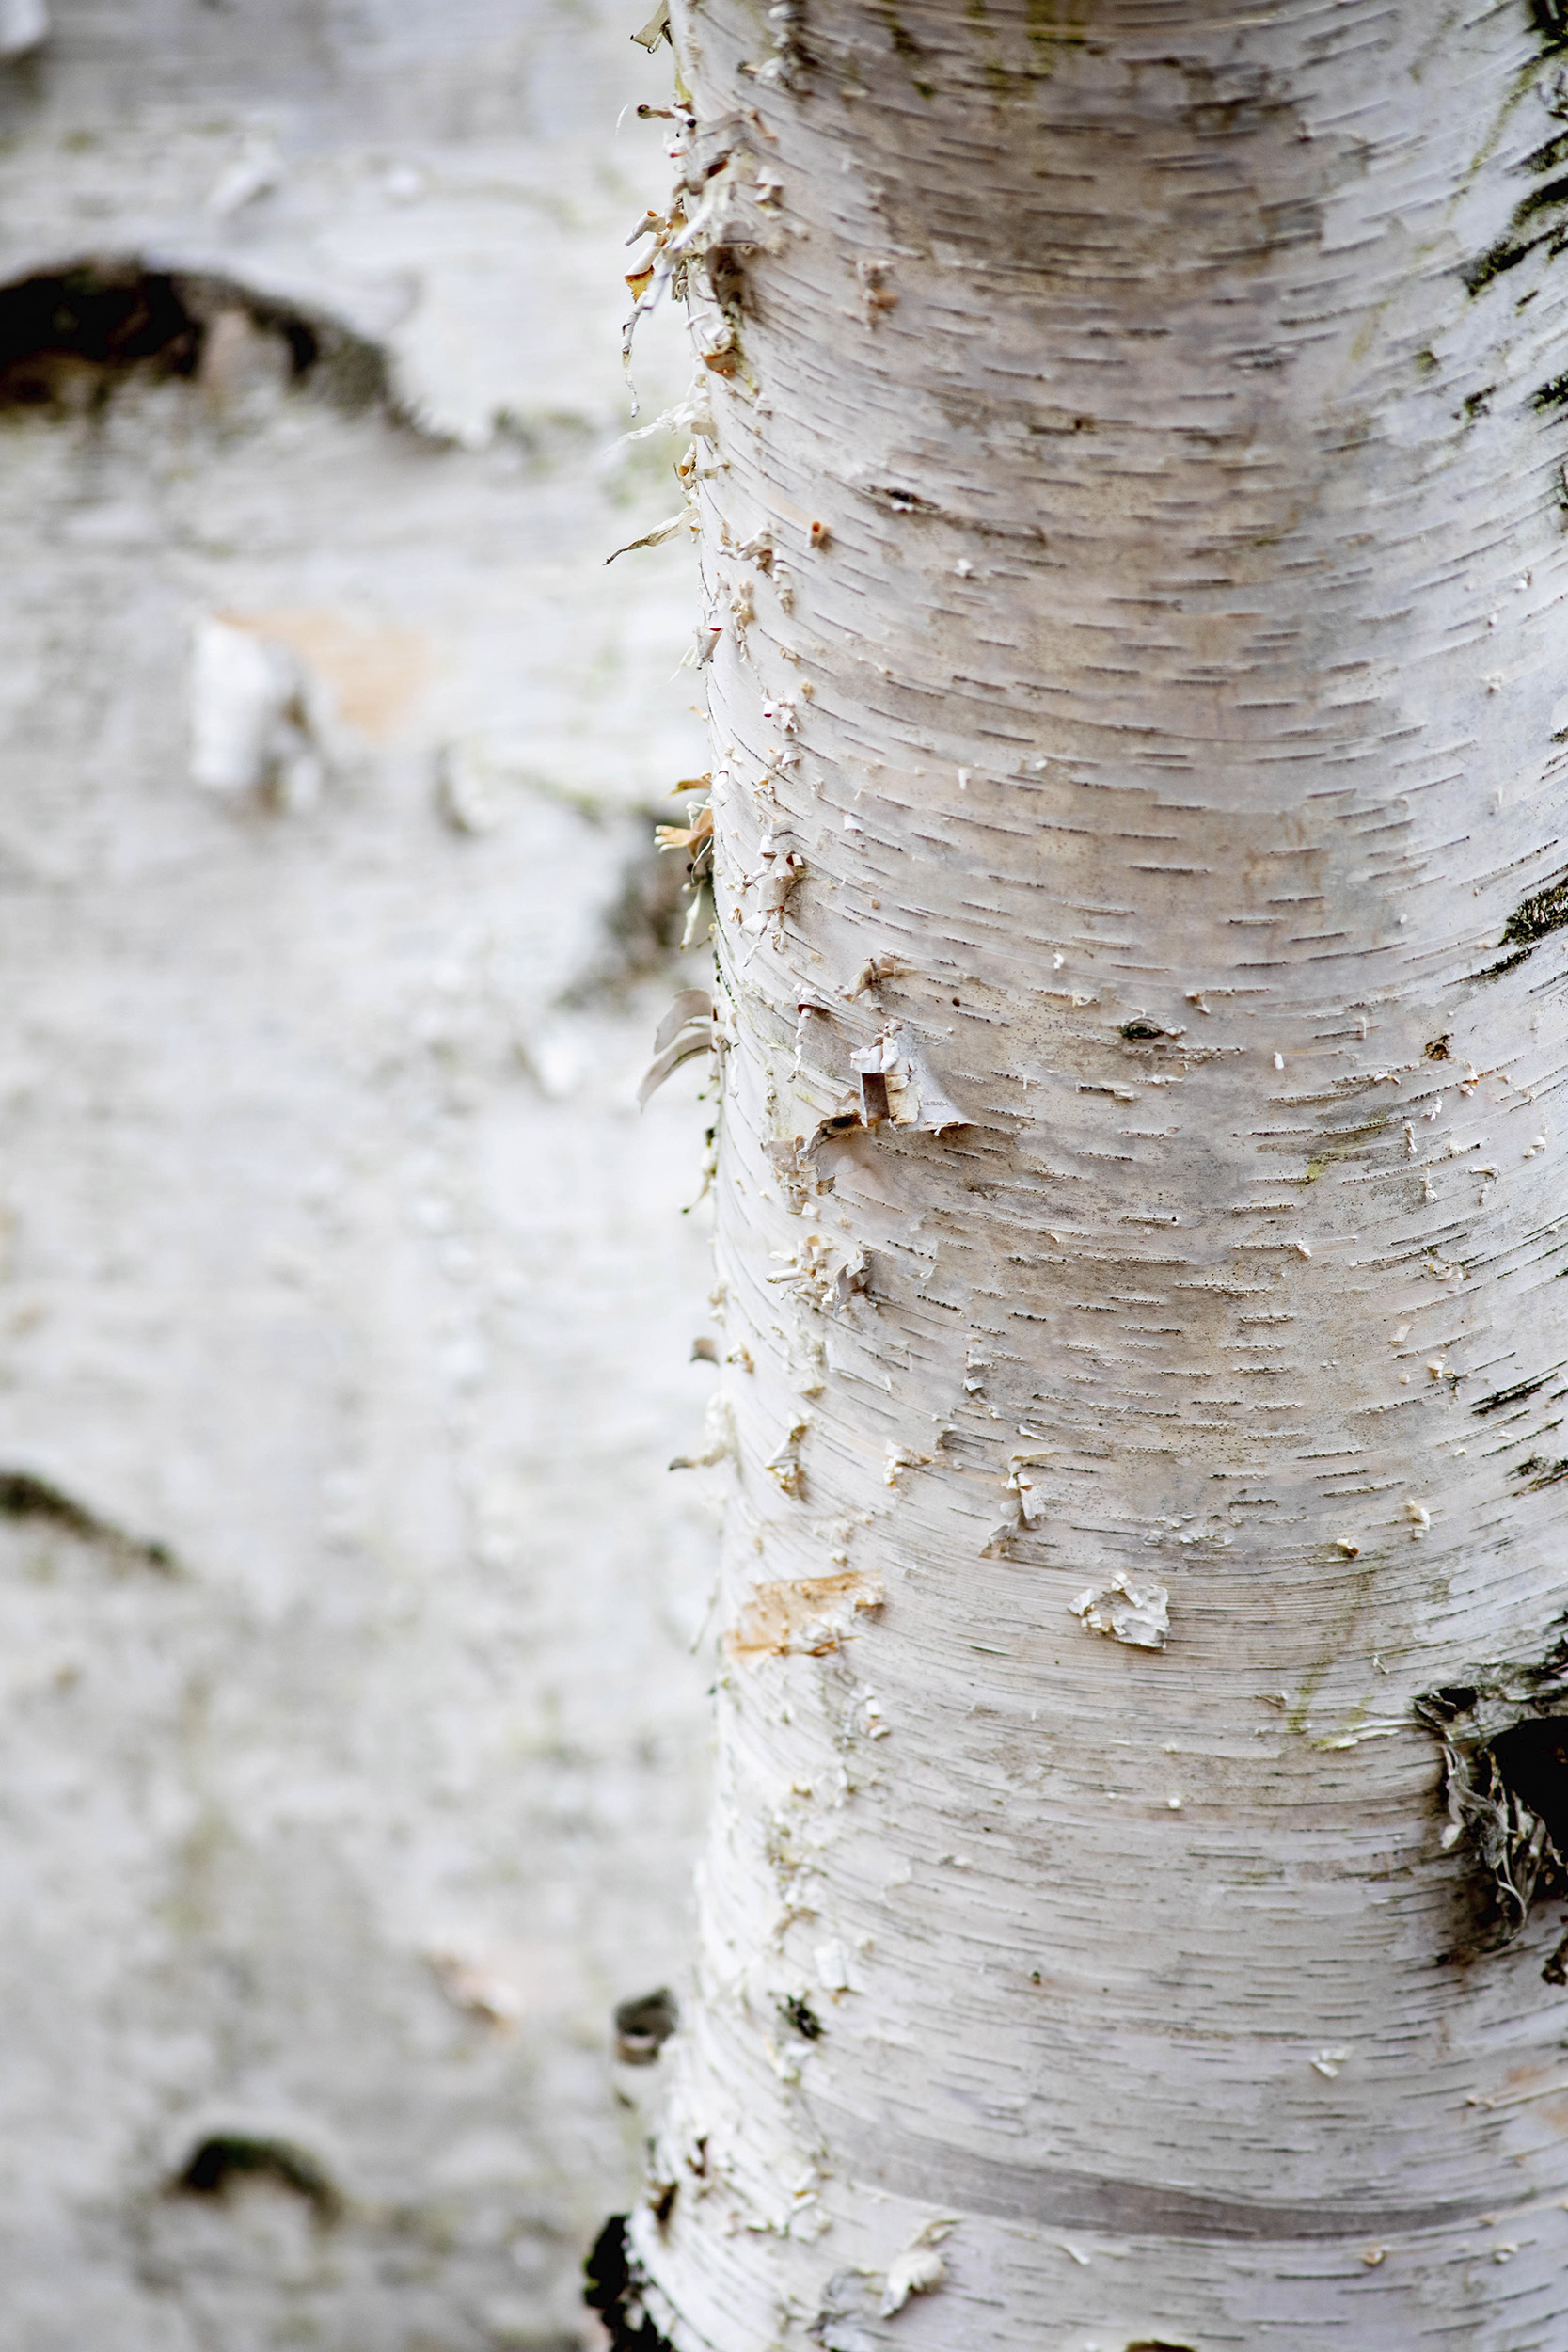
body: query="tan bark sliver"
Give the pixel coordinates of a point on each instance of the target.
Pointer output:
(1131, 506)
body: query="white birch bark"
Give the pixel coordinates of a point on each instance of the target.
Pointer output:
(1134, 516)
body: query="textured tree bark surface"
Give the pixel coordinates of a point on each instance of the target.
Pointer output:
(1133, 538)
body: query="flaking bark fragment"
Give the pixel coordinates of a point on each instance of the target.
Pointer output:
(784, 1464)
(656, 28)
(719, 1430)
(918, 2270)
(667, 529)
(686, 1030)
(1138, 1614)
(898, 1088)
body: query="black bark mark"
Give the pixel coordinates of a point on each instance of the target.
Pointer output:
(1539, 1471)
(1500, 1398)
(614, 2285)
(800, 2014)
(25, 1497)
(1549, 22)
(644, 2026)
(71, 338)
(1549, 19)
(1505, 1783)
(227, 2159)
(1544, 912)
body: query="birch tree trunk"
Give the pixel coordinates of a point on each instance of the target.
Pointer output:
(1133, 530)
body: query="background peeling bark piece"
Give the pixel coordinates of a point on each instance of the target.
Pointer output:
(351, 1740)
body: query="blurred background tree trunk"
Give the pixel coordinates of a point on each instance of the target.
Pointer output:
(352, 1745)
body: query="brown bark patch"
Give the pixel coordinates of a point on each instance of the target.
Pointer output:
(805, 1617)
(375, 670)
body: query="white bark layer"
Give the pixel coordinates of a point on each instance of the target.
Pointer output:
(1140, 556)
